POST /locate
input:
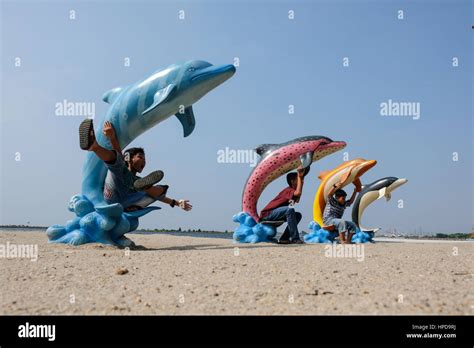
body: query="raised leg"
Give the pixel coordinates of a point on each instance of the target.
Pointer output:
(104, 154)
(87, 141)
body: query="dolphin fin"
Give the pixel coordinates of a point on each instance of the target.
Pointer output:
(160, 97)
(382, 192)
(306, 159)
(357, 183)
(261, 149)
(187, 120)
(140, 212)
(110, 96)
(388, 196)
(323, 174)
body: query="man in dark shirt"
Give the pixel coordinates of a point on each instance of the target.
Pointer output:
(122, 184)
(281, 208)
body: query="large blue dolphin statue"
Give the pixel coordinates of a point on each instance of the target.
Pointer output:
(133, 110)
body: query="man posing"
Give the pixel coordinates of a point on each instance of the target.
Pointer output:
(335, 205)
(122, 185)
(281, 207)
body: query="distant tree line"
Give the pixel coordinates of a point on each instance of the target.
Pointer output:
(180, 230)
(454, 235)
(141, 229)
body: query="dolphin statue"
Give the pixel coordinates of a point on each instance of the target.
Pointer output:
(278, 159)
(137, 108)
(344, 174)
(133, 110)
(370, 193)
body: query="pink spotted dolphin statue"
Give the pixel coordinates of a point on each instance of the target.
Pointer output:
(279, 159)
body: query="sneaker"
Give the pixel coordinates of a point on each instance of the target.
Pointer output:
(284, 241)
(297, 241)
(86, 134)
(148, 181)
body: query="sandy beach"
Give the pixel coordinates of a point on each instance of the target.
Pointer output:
(187, 274)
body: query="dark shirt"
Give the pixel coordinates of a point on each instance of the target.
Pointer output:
(119, 181)
(281, 200)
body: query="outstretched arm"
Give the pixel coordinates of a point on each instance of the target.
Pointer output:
(182, 203)
(157, 192)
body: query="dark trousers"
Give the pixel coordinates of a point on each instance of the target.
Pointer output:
(292, 219)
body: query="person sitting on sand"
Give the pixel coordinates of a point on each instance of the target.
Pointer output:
(334, 210)
(281, 207)
(122, 185)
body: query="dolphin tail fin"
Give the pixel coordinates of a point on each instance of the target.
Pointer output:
(110, 96)
(187, 120)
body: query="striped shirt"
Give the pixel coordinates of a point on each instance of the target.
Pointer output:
(333, 210)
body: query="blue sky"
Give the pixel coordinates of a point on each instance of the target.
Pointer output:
(282, 62)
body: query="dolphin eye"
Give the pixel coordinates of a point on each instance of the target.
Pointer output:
(191, 69)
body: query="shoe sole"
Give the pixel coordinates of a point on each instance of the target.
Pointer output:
(148, 181)
(85, 139)
(283, 242)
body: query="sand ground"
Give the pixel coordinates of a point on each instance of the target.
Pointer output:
(183, 274)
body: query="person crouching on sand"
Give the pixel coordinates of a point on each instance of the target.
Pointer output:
(122, 185)
(279, 208)
(334, 210)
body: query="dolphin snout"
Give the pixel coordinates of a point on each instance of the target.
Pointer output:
(398, 183)
(369, 163)
(365, 166)
(335, 144)
(214, 74)
(402, 181)
(339, 144)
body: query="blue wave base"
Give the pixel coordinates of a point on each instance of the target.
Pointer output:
(249, 231)
(319, 235)
(105, 224)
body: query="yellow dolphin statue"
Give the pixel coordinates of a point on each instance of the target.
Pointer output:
(346, 173)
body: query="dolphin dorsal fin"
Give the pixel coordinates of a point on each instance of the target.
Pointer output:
(323, 174)
(110, 96)
(261, 149)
